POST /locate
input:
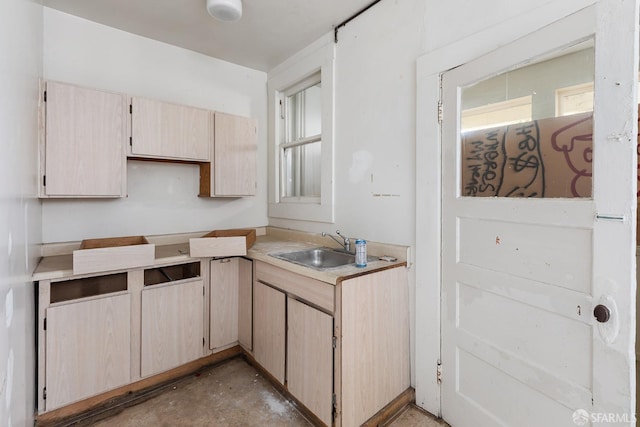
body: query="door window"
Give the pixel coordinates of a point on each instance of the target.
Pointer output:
(525, 144)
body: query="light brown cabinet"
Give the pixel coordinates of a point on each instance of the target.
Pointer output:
(82, 148)
(310, 358)
(100, 333)
(269, 311)
(346, 343)
(172, 318)
(245, 303)
(223, 297)
(232, 171)
(230, 302)
(169, 131)
(87, 135)
(85, 334)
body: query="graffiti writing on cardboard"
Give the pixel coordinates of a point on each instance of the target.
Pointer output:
(577, 149)
(504, 161)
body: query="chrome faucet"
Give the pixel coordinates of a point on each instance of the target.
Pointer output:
(347, 243)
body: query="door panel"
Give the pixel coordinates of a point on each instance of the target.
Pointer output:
(523, 266)
(533, 325)
(310, 358)
(549, 254)
(515, 402)
(85, 136)
(245, 306)
(269, 333)
(88, 349)
(164, 130)
(172, 326)
(223, 316)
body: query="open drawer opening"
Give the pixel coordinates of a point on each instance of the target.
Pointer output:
(88, 287)
(171, 273)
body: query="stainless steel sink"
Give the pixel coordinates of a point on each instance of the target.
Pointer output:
(319, 258)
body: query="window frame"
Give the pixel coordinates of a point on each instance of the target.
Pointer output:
(494, 107)
(319, 57)
(286, 141)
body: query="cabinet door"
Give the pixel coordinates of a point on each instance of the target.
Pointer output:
(169, 131)
(244, 302)
(172, 325)
(87, 349)
(310, 358)
(235, 150)
(223, 315)
(269, 329)
(84, 144)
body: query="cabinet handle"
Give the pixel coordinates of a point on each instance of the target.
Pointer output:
(225, 260)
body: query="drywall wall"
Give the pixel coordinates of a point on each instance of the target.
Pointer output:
(162, 197)
(374, 143)
(375, 125)
(20, 214)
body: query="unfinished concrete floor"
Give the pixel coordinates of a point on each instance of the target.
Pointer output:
(230, 394)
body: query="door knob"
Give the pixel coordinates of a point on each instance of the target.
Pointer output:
(601, 313)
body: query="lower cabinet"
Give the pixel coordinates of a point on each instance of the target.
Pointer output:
(99, 333)
(310, 357)
(172, 325)
(87, 347)
(341, 350)
(230, 302)
(269, 329)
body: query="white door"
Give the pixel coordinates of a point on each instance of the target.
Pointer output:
(532, 242)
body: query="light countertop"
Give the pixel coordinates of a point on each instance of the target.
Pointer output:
(61, 266)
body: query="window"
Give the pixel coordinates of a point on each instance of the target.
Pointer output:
(574, 100)
(301, 107)
(577, 99)
(301, 141)
(517, 110)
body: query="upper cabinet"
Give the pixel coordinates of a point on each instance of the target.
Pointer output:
(88, 134)
(169, 131)
(83, 150)
(232, 171)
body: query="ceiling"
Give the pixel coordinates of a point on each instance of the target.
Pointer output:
(269, 32)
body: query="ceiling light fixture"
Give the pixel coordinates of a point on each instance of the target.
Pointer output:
(225, 10)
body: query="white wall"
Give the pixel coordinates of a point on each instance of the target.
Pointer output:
(20, 213)
(375, 124)
(162, 197)
(374, 144)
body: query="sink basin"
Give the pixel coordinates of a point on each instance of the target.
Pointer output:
(319, 258)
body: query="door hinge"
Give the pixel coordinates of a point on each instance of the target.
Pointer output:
(45, 96)
(203, 341)
(440, 111)
(44, 393)
(334, 341)
(281, 110)
(439, 372)
(334, 402)
(131, 141)
(44, 180)
(45, 323)
(130, 108)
